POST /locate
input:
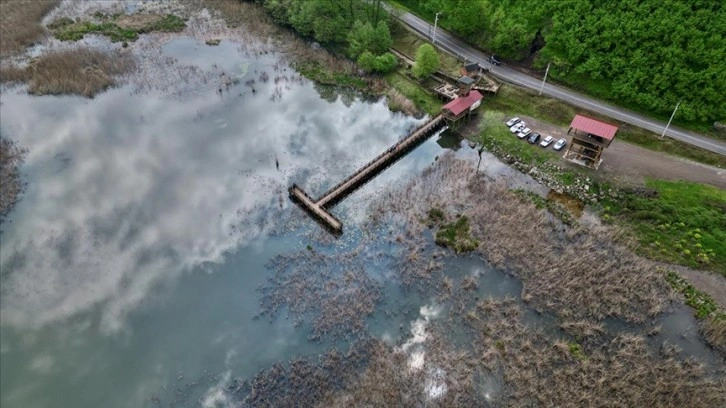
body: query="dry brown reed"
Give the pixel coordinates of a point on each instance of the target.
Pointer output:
(20, 23)
(11, 158)
(578, 273)
(714, 329)
(82, 71)
(446, 379)
(539, 371)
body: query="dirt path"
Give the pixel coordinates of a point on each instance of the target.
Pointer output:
(710, 283)
(631, 163)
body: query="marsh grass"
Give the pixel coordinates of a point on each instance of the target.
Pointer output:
(621, 371)
(20, 23)
(714, 329)
(331, 292)
(574, 271)
(81, 71)
(531, 368)
(457, 236)
(116, 28)
(11, 185)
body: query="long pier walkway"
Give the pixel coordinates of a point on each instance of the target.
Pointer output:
(319, 208)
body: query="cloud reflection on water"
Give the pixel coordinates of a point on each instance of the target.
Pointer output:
(127, 191)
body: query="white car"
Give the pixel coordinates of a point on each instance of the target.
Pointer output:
(517, 127)
(513, 121)
(546, 142)
(524, 133)
(560, 144)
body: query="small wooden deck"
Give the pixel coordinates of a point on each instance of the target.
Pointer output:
(319, 208)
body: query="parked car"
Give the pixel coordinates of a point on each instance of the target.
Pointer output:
(524, 133)
(547, 141)
(513, 121)
(533, 138)
(517, 127)
(560, 144)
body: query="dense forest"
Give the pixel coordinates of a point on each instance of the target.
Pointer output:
(648, 54)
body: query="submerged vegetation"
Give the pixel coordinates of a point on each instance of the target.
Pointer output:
(11, 186)
(333, 291)
(576, 272)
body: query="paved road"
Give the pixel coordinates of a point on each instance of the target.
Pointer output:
(457, 47)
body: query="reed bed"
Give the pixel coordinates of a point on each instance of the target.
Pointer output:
(11, 185)
(83, 71)
(20, 24)
(332, 292)
(622, 371)
(577, 272)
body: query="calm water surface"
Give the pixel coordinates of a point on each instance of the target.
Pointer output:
(131, 266)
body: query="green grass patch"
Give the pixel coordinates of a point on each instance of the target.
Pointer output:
(576, 350)
(556, 209)
(497, 138)
(317, 72)
(408, 42)
(677, 221)
(457, 236)
(66, 29)
(414, 91)
(436, 215)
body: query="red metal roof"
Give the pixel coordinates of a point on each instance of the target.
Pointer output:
(462, 103)
(595, 127)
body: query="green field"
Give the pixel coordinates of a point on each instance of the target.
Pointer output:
(676, 221)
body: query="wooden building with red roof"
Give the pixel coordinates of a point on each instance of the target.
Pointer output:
(589, 138)
(461, 106)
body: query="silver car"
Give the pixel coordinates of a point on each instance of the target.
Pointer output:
(513, 121)
(524, 133)
(560, 144)
(517, 127)
(546, 142)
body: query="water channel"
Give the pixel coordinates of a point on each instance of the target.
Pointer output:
(131, 266)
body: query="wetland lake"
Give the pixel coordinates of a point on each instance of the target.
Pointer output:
(150, 259)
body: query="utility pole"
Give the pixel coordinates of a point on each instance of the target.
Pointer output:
(545, 78)
(669, 120)
(436, 21)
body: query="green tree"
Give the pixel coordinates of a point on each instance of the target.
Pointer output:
(427, 61)
(381, 64)
(363, 37)
(360, 38)
(382, 39)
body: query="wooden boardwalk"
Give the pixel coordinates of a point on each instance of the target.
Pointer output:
(319, 208)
